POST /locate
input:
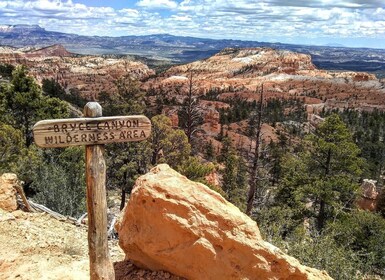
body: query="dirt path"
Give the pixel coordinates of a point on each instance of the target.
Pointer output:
(35, 246)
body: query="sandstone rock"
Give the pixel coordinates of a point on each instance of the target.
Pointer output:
(88, 75)
(173, 224)
(213, 179)
(211, 116)
(369, 197)
(55, 50)
(315, 120)
(8, 200)
(239, 73)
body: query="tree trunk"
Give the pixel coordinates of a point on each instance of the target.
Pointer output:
(321, 216)
(322, 207)
(122, 199)
(253, 175)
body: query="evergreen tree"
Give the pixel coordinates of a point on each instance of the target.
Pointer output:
(6, 70)
(210, 151)
(52, 88)
(234, 175)
(126, 161)
(23, 103)
(325, 175)
(12, 148)
(58, 178)
(168, 145)
(196, 170)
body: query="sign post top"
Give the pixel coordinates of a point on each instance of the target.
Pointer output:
(91, 131)
(93, 109)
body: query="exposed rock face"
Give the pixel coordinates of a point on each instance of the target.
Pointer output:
(213, 179)
(55, 50)
(315, 120)
(239, 73)
(183, 227)
(211, 117)
(87, 75)
(369, 197)
(172, 114)
(8, 200)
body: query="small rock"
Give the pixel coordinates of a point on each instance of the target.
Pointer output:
(8, 201)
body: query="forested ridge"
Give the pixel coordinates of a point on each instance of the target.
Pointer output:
(306, 183)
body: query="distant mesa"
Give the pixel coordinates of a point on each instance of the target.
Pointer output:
(335, 45)
(185, 49)
(55, 50)
(20, 28)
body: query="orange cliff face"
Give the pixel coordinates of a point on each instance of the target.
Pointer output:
(89, 75)
(243, 73)
(240, 73)
(283, 74)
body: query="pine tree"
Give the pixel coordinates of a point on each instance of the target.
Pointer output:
(23, 104)
(210, 151)
(234, 175)
(168, 145)
(325, 175)
(126, 161)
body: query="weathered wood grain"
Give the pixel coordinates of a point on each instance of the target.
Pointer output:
(100, 263)
(91, 131)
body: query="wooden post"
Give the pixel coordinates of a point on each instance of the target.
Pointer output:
(93, 131)
(100, 263)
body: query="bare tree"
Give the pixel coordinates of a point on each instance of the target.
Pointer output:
(190, 114)
(253, 182)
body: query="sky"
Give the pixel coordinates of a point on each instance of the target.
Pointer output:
(351, 23)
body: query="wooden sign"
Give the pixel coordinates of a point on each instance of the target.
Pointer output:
(91, 131)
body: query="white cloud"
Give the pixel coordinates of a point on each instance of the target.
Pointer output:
(181, 17)
(274, 20)
(157, 4)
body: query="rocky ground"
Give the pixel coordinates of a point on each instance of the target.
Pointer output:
(37, 246)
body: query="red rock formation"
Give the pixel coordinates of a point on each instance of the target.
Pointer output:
(211, 117)
(172, 113)
(89, 75)
(284, 74)
(8, 200)
(213, 179)
(171, 223)
(315, 120)
(369, 196)
(55, 50)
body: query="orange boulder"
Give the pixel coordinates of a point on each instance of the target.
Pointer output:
(171, 223)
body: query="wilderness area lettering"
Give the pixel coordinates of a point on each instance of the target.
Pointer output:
(94, 137)
(91, 131)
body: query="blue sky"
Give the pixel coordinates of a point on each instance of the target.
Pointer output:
(353, 23)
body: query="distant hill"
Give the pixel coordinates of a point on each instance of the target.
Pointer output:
(55, 50)
(180, 49)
